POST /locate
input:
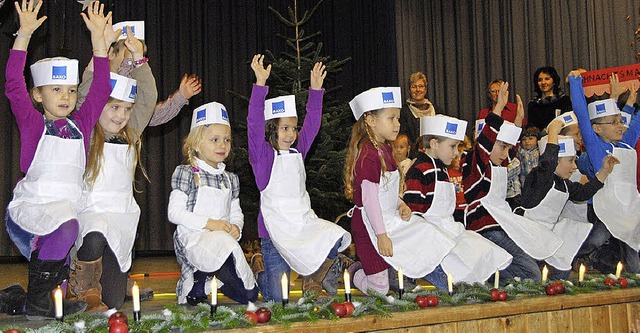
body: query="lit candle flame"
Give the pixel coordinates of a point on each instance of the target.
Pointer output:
(347, 282)
(400, 279)
(135, 294)
(545, 273)
(285, 286)
(214, 291)
(619, 269)
(496, 279)
(581, 273)
(57, 298)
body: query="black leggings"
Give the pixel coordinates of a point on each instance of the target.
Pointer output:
(113, 281)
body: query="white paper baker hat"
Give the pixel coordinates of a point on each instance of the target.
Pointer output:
(60, 71)
(509, 133)
(566, 146)
(567, 119)
(210, 113)
(443, 126)
(626, 118)
(280, 107)
(123, 88)
(603, 108)
(479, 126)
(137, 28)
(375, 99)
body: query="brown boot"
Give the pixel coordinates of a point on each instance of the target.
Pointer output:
(84, 284)
(313, 283)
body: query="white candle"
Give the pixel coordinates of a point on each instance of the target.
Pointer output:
(545, 273)
(347, 282)
(57, 298)
(581, 273)
(400, 279)
(214, 291)
(285, 286)
(450, 282)
(135, 294)
(619, 269)
(496, 279)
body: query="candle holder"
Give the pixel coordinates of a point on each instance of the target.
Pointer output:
(400, 293)
(60, 319)
(213, 310)
(285, 301)
(347, 297)
(136, 316)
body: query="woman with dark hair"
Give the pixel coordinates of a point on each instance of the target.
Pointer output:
(549, 100)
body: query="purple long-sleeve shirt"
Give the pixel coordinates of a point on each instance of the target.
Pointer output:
(261, 154)
(31, 121)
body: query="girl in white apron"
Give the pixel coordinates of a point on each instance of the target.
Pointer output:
(109, 217)
(292, 235)
(204, 204)
(385, 233)
(41, 217)
(547, 190)
(431, 195)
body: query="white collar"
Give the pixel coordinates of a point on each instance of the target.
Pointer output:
(208, 168)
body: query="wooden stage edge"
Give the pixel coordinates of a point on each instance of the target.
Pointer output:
(607, 311)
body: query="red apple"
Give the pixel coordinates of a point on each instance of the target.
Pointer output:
(559, 287)
(610, 282)
(502, 295)
(350, 308)
(623, 282)
(250, 316)
(118, 327)
(12, 331)
(421, 301)
(264, 315)
(339, 309)
(550, 289)
(432, 301)
(494, 294)
(118, 317)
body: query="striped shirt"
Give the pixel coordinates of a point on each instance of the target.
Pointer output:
(421, 182)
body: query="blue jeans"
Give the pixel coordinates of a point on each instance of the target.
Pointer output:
(522, 266)
(23, 239)
(274, 267)
(438, 278)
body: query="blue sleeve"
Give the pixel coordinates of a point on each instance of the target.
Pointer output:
(630, 137)
(592, 142)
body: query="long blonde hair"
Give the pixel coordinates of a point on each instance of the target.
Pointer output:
(360, 134)
(190, 146)
(96, 152)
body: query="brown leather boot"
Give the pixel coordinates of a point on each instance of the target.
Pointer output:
(313, 283)
(84, 284)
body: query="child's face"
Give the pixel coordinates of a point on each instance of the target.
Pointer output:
(609, 128)
(115, 116)
(574, 132)
(58, 101)
(385, 125)
(566, 167)
(215, 145)
(400, 149)
(445, 150)
(529, 142)
(500, 152)
(287, 132)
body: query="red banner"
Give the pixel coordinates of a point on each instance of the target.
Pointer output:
(597, 82)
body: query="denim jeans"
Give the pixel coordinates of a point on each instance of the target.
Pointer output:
(438, 278)
(522, 266)
(274, 267)
(23, 239)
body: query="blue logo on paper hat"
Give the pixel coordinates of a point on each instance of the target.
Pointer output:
(201, 115)
(133, 30)
(562, 149)
(567, 119)
(387, 97)
(601, 108)
(132, 93)
(113, 83)
(277, 107)
(225, 115)
(451, 128)
(59, 72)
(480, 127)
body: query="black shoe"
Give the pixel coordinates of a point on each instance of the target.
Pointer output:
(195, 300)
(197, 294)
(12, 300)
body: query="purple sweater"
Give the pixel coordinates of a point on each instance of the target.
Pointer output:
(261, 154)
(31, 121)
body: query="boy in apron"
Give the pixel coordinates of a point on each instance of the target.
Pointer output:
(547, 189)
(614, 209)
(205, 205)
(42, 216)
(292, 235)
(431, 194)
(485, 185)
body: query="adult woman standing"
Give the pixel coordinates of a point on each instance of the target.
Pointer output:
(548, 98)
(417, 106)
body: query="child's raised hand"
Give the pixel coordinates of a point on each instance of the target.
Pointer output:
(503, 95)
(95, 19)
(405, 211)
(215, 225)
(608, 162)
(555, 126)
(318, 73)
(575, 73)
(616, 89)
(385, 246)
(110, 35)
(262, 73)
(520, 111)
(134, 45)
(633, 95)
(235, 231)
(28, 16)
(190, 86)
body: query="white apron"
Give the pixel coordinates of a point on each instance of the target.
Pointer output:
(573, 233)
(532, 237)
(576, 211)
(617, 204)
(48, 194)
(418, 246)
(302, 238)
(474, 258)
(110, 207)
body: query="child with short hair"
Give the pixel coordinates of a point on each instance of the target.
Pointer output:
(528, 152)
(205, 205)
(292, 235)
(614, 209)
(401, 150)
(41, 217)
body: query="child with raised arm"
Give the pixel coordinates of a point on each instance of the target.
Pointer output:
(42, 217)
(291, 234)
(384, 231)
(614, 209)
(205, 205)
(548, 188)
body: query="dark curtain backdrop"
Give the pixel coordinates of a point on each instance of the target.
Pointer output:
(216, 40)
(463, 45)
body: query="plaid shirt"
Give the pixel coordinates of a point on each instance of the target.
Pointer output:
(183, 180)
